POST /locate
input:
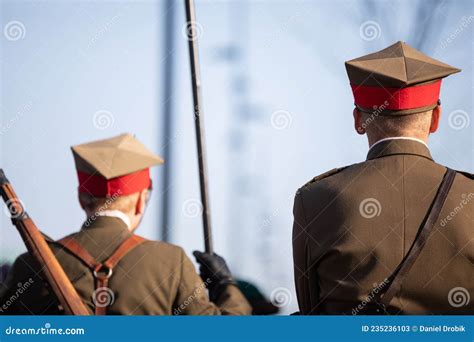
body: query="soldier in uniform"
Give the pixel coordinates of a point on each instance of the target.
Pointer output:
(113, 270)
(355, 226)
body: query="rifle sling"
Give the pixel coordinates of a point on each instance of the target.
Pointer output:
(101, 271)
(385, 296)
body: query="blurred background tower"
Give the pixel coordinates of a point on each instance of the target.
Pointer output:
(248, 209)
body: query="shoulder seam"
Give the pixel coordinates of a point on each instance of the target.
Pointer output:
(326, 174)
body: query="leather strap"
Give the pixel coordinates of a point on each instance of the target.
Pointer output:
(101, 271)
(123, 249)
(79, 252)
(385, 296)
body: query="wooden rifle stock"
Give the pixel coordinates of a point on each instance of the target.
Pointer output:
(49, 266)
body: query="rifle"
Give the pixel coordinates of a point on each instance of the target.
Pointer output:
(196, 84)
(49, 266)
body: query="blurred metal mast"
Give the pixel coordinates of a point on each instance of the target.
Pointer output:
(168, 86)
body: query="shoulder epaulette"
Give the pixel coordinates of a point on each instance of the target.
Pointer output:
(326, 174)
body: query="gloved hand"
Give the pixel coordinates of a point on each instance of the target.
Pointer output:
(214, 272)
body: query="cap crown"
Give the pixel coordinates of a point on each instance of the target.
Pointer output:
(398, 65)
(114, 157)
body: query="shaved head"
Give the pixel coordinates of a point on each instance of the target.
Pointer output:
(412, 125)
(92, 204)
(377, 126)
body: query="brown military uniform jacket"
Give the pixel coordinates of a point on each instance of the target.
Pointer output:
(154, 278)
(353, 226)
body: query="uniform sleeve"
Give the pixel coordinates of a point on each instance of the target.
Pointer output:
(192, 298)
(24, 293)
(305, 294)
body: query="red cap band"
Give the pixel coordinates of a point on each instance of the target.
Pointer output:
(98, 186)
(397, 98)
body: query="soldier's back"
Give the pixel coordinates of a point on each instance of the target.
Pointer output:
(354, 226)
(154, 278)
(144, 282)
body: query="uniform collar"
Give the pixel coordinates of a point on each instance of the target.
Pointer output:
(115, 213)
(104, 222)
(399, 145)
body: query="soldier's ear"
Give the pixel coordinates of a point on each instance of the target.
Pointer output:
(81, 203)
(435, 117)
(141, 202)
(358, 121)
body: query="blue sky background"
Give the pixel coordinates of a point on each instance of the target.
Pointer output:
(277, 103)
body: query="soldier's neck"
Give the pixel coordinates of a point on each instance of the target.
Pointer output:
(373, 142)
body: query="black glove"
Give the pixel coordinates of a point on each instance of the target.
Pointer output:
(214, 272)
